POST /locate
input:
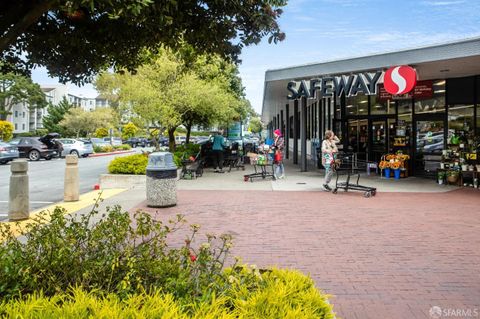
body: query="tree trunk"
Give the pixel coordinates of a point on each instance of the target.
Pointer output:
(189, 129)
(171, 139)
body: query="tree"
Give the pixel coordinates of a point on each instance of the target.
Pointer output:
(80, 122)
(16, 89)
(75, 39)
(55, 115)
(255, 125)
(129, 130)
(6, 131)
(149, 94)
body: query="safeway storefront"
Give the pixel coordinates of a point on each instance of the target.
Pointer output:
(412, 101)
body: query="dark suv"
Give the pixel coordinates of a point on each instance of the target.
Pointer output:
(137, 141)
(35, 148)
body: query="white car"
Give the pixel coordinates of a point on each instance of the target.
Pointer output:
(114, 141)
(76, 147)
(180, 139)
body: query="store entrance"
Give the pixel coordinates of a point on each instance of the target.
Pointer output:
(357, 135)
(371, 138)
(430, 131)
(382, 132)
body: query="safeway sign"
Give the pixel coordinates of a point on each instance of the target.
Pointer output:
(400, 79)
(397, 80)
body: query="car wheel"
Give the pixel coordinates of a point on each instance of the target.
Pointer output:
(34, 155)
(48, 158)
(74, 152)
(3, 162)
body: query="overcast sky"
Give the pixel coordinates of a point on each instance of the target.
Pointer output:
(323, 30)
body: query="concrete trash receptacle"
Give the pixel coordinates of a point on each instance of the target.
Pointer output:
(161, 180)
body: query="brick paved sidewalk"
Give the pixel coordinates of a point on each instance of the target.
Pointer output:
(392, 256)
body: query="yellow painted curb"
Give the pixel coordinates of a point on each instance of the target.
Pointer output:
(86, 200)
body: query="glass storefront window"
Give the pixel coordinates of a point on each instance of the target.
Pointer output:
(436, 104)
(460, 118)
(404, 126)
(357, 105)
(405, 107)
(478, 119)
(378, 106)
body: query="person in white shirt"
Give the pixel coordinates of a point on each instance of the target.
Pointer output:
(329, 152)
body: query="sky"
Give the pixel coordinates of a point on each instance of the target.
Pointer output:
(326, 30)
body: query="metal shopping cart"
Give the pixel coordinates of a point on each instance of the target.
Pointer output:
(348, 165)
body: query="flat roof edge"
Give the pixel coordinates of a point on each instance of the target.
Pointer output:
(455, 49)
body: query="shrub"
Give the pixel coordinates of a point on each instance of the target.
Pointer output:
(273, 294)
(101, 132)
(6, 131)
(110, 256)
(121, 266)
(190, 149)
(133, 164)
(129, 130)
(123, 147)
(103, 149)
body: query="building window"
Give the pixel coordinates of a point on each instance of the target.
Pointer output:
(16, 126)
(23, 114)
(357, 105)
(23, 126)
(379, 106)
(436, 103)
(460, 118)
(16, 113)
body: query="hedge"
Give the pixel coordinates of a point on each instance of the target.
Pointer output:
(133, 164)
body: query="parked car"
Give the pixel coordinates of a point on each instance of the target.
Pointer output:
(8, 152)
(35, 148)
(76, 147)
(114, 141)
(137, 141)
(99, 142)
(180, 139)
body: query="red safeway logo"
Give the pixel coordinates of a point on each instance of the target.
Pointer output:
(400, 79)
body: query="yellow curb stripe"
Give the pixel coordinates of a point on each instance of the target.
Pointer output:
(85, 200)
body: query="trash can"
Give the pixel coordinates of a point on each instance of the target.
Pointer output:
(161, 180)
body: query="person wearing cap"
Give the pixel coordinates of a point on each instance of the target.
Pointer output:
(278, 146)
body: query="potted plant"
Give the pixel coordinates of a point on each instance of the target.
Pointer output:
(441, 177)
(385, 166)
(452, 176)
(396, 168)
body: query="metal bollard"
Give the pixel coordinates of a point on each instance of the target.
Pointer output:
(71, 184)
(161, 180)
(19, 202)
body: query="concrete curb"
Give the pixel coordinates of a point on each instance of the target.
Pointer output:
(85, 200)
(111, 153)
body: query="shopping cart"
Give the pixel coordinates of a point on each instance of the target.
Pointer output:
(348, 165)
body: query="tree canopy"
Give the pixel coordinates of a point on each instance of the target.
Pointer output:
(16, 89)
(170, 90)
(80, 122)
(76, 39)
